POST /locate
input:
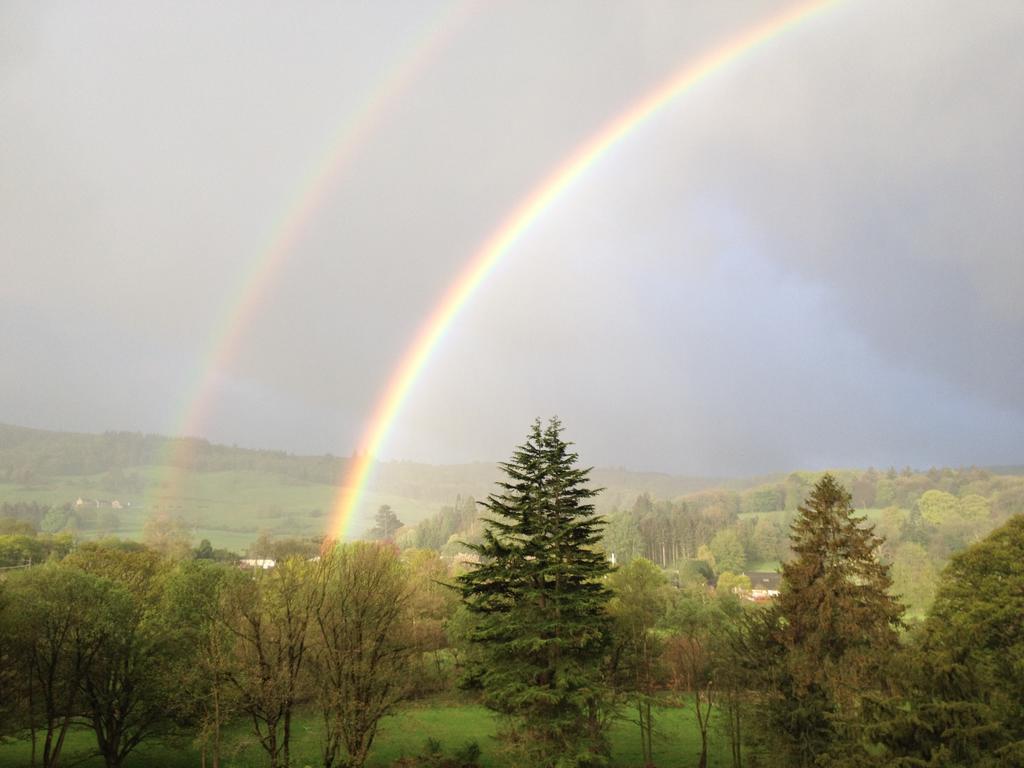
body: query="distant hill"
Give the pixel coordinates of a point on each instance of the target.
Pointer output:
(29, 454)
(112, 483)
(230, 494)
(1006, 469)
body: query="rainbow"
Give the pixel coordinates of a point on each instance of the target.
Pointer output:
(287, 230)
(513, 227)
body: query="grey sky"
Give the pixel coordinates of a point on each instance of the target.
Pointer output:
(815, 258)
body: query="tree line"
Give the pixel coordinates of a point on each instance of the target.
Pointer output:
(135, 643)
(922, 517)
(131, 645)
(823, 676)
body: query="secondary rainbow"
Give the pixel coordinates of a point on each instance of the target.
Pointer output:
(288, 229)
(543, 196)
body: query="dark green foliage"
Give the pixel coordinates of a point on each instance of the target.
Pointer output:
(466, 756)
(190, 599)
(674, 531)
(835, 602)
(622, 538)
(836, 630)
(966, 667)
(540, 605)
(386, 524)
(52, 630)
(129, 687)
(91, 644)
(204, 551)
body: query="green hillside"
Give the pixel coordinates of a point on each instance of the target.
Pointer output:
(230, 495)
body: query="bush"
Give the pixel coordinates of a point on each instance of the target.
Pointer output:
(466, 756)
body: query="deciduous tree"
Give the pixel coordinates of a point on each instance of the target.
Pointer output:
(169, 535)
(269, 618)
(938, 507)
(128, 686)
(640, 597)
(728, 551)
(362, 647)
(202, 698)
(53, 634)
(693, 619)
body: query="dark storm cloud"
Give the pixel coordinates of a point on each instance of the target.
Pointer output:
(812, 259)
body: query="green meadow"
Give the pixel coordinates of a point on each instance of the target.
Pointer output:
(230, 507)
(402, 735)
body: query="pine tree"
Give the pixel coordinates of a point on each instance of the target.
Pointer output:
(386, 523)
(539, 605)
(837, 626)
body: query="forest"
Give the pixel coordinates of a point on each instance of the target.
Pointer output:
(131, 652)
(921, 517)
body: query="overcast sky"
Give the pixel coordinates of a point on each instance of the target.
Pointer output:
(814, 259)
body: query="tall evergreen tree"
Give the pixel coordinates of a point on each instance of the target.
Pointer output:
(539, 605)
(386, 523)
(836, 627)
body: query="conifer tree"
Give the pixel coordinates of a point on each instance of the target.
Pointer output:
(836, 626)
(539, 605)
(386, 523)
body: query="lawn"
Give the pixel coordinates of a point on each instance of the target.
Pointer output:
(402, 735)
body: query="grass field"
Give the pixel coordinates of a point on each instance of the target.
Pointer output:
(229, 508)
(402, 735)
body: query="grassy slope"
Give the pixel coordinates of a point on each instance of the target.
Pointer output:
(232, 507)
(242, 492)
(402, 735)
